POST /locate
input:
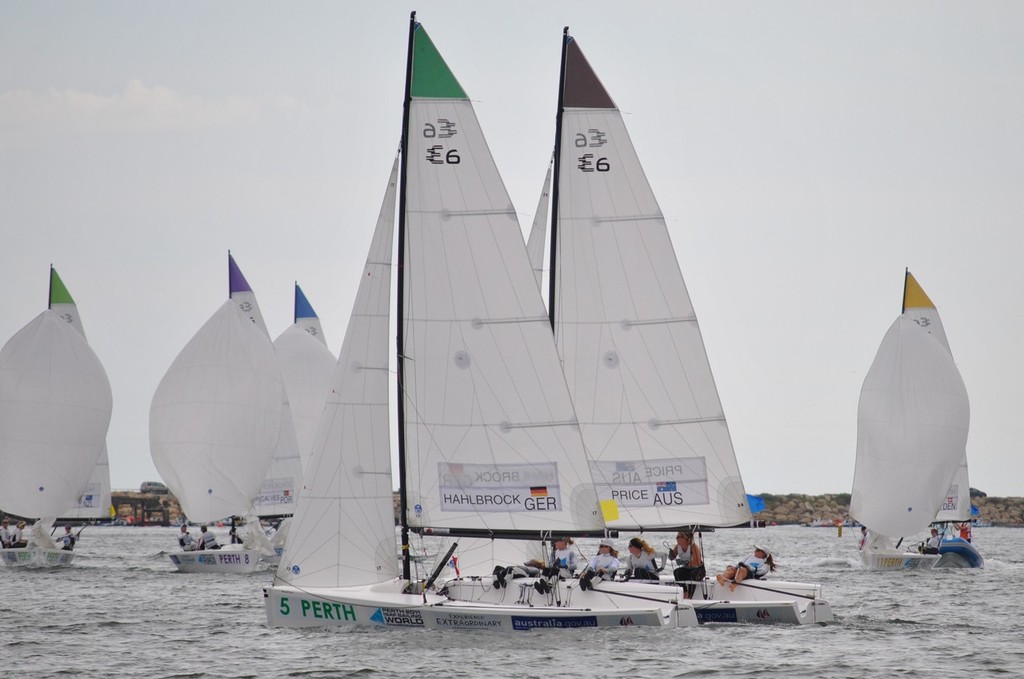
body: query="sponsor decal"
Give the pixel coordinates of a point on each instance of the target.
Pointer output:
(466, 621)
(397, 617)
(320, 610)
(716, 615)
(891, 562)
(626, 621)
(572, 622)
(652, 483)
(499, 487)
(764, 614)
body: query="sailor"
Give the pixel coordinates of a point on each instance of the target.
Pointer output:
(185, 539)
(563, 559)
(756, 566)
(5, 534)
(207, 540)
(17, 539)
(603, 565)
(235, 539)
(640, 562)
(689, 562)
(931, 546)
(863, 537)
(67, 540)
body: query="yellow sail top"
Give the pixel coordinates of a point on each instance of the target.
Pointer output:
(914, 296)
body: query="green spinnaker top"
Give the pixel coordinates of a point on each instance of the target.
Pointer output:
(58, 293)
(431, 77)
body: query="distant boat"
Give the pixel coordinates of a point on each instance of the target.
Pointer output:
(912, 424)
(215, 423)
(55, 406)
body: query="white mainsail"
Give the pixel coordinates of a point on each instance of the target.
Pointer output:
(912, 424)
(94, 500)
(55, 406)
(343, 532)
(306, 368)
(283, 480)
(491, 440)
(216, 416)
(631, 347)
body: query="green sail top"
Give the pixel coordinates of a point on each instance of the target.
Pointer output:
(58, 293)
(431, 77)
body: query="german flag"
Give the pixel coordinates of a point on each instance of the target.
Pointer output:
(538, 491)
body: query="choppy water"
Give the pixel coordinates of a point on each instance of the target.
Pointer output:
(123, 611)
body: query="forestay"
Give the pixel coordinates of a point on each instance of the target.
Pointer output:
(490, 435)
(626, 330)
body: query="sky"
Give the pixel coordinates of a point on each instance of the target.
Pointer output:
(804, 154)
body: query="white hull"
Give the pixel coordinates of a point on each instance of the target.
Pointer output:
(893, 560)
(36, 557)
(761, 602)
(217, 561)
(384, 605)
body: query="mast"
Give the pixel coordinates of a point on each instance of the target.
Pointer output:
(903, 302)
(554, 183)
(403, 502)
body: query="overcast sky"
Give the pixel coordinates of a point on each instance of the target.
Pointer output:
(804, 154)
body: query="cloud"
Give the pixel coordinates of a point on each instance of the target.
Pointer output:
(27, 116)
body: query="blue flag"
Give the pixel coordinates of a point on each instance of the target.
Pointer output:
(755, 503)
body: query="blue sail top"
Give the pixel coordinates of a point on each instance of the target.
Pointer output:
(303, 309)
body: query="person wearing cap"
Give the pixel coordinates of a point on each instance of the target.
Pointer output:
(603, 565)
(18, 541)
(689, 563)
(640, 562)
(563, 559)
(185, 540)
(932, 545)
(5, 534)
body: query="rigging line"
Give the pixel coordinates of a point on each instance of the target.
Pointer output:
(812, 597)
(626, 218)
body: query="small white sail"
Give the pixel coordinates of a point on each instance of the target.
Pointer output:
(491, 440)
(343, 532)
(627, 332)
(306, 368)
(55, 406)
(536, 242)
(216, 417)
(912, 423)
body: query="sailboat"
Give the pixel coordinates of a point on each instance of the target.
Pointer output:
(488, 444)
(912, 423)
(660, 453)
(215, 425)
(55, 406)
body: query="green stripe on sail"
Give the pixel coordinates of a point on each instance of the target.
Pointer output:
(58, 293)
(431, 77)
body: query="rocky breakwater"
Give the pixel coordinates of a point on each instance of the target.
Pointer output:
(832, 507)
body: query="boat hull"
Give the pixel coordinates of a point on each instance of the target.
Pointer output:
(217, 561)
(385, 606)
(892, 560)
(759, 602)
(958, 553)
(36, 557)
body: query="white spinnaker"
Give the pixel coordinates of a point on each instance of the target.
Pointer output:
(538, 232)
(94, 500)
(912, 423)
(491, 440)
(343, 532)
(306, 368)
(282, 484)
(55, 405)
(216, 417)
(632, 350)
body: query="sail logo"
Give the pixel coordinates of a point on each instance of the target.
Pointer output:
(764, 614)
(397, 617)
(652, 483)
(626, 621)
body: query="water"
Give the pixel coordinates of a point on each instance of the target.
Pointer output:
(122, 610)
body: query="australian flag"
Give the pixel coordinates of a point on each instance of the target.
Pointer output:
(666, 486)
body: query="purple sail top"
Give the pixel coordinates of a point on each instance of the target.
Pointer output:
(236, 281)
